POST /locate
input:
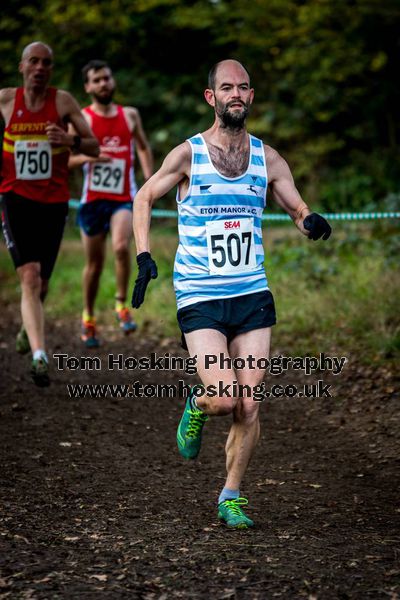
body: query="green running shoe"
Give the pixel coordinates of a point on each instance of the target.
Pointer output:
(22, 344)
(40, 372)
(232, 514)
(188, 435)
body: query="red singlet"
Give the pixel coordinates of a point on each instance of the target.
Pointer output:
(31, 166)
(113, 180)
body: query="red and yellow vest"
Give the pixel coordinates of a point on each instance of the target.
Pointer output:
(31, 167)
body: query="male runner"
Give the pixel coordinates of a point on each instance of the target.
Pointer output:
(224, 304)
(108, 191)
(34, 184)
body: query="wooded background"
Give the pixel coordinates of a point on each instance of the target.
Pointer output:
(325, 74)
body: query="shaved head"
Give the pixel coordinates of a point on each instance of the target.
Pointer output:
(36, 66)
(212, 76)
(33, 46)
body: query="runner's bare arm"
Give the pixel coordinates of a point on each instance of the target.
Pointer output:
(143, 149)
(70, 112)
(174, 169)
(7, 96)
(283, 188)
(77, 160)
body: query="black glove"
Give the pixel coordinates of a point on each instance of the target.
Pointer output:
(147, 271)
(317, 226)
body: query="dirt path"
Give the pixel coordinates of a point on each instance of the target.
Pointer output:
(97, 503)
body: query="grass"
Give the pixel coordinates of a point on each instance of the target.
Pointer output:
(338, 296)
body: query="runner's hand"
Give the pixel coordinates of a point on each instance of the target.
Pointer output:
(317, 226)
(56, 135)
(147, 271)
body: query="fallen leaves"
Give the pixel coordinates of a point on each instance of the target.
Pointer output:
(99, 577)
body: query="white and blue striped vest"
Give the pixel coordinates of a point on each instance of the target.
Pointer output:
(220, 252)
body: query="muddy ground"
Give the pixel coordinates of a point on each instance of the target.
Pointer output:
(97, 503)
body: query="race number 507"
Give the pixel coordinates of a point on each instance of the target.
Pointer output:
(230, 251)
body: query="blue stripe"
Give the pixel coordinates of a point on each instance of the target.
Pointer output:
(210, 178)
(203, 276)
(193, 241)
(189, 260)
(200, 159)
(228, 200)
(255, 142)
(219, 281)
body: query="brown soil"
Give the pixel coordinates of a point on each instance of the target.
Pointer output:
(97, 503)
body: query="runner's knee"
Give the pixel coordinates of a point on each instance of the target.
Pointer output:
(121, 250)
(247, 412)
(30, 277)
(94, 267)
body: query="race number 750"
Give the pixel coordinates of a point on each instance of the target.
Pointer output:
(32, 160)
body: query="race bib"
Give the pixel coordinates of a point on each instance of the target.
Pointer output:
(230, 246)
(32, 160)
(108, 177)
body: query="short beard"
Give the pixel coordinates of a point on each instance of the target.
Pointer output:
(235, 120)
(104, 99)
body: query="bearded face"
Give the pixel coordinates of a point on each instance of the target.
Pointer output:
(230, 94)
(233, 114)
(101, 85)
(104, 97)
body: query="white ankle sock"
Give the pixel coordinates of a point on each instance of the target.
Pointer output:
(228, 494)
(40, 354)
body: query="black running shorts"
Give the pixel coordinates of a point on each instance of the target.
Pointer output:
(33, 230)
(230, 316)
(95, 217)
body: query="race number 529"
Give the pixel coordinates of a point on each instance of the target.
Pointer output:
(108, 177)
(230, 246)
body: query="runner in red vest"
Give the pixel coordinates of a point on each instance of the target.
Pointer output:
(34, 184)
(109, 188)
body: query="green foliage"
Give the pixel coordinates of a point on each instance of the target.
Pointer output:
(330, 295)
(325, 74)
